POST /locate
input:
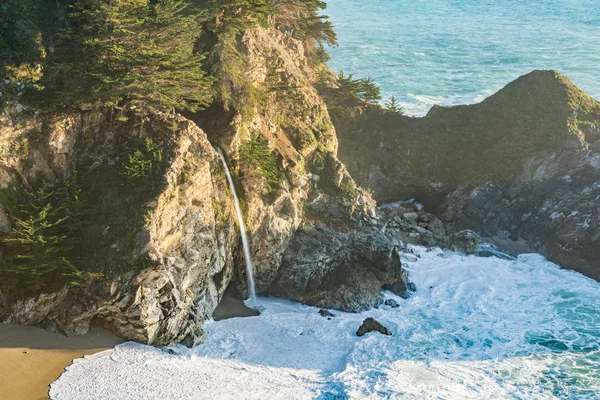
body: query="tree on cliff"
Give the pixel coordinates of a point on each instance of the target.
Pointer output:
(302, 19)
(368, 91)
(130, 55)
(393, 106)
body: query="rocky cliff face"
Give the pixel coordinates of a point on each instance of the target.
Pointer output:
(165, 252)
(521, 166)
(159, 243)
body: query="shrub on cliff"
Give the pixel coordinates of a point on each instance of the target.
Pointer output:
(258, 160)
(39, 250)
(133, 55)
(302, 19)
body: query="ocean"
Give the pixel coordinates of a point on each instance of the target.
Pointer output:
(448, 52)
(476, 328)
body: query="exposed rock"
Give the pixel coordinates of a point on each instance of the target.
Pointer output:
(391, 303)
(552, 209)
(340, 270)
(370, 325)
(522, 165)
(411, 217)
(172, 248)
(465, 240)
(326, 313)
(5, 222)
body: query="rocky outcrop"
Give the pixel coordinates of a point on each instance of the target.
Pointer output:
(341, 270)
(553, 207)
(182, 239)
(372, 325)
(520, 168)
(161, 244)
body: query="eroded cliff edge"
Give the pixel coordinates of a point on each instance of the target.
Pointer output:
(523, 165)
(140, 213)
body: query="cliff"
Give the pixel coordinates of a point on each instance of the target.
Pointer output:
(520, 165)
(134, 224)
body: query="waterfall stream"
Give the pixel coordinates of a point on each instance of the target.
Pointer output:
(238, 210)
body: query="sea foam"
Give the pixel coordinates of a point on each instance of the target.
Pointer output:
(476, 328)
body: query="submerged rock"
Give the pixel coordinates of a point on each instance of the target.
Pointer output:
(370, 325)
(391, 303)
(326, 313)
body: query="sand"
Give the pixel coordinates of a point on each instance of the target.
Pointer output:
(32, 358)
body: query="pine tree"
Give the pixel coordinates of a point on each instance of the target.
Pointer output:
(368, 91)
(229, 65)
(131, 55)
(302, 19)
(393, 106)
(36, 245)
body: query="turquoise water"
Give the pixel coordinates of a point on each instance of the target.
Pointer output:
(461, 51)
(476, 328)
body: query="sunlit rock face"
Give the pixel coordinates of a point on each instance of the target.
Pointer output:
(167, 248)
(522, 165)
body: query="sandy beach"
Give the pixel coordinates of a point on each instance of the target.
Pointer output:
(31, 358)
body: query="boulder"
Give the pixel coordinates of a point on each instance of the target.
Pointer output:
(370, 325)
(465, 240)
(391, 303)
(411, 217)
(326, 313)
(341, 270)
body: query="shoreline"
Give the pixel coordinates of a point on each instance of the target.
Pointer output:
(31, 358)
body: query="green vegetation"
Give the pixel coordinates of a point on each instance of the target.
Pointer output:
(368, 91)
(23, 26)
(145, 163)
(346, 93)
(39, 250)
(302, 20)
(129, 55)
(392, 106)
(256, 157)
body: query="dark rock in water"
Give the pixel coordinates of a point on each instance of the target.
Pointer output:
(411, 287)
(340, 270)
(392, 303)
(326, 313)
(370, 325)
(465, 240)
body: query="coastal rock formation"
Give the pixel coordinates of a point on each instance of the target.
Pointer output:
(156, 242)
(522, 166)
(372, 325)
(164, 253)
(341, 270)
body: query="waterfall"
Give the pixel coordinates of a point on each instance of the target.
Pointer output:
(238, 210)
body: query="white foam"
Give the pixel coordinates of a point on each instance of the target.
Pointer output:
(475, 328)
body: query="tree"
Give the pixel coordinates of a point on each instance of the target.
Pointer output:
(132, 55)
(228, 65)
(393, 106)
(368, 91)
